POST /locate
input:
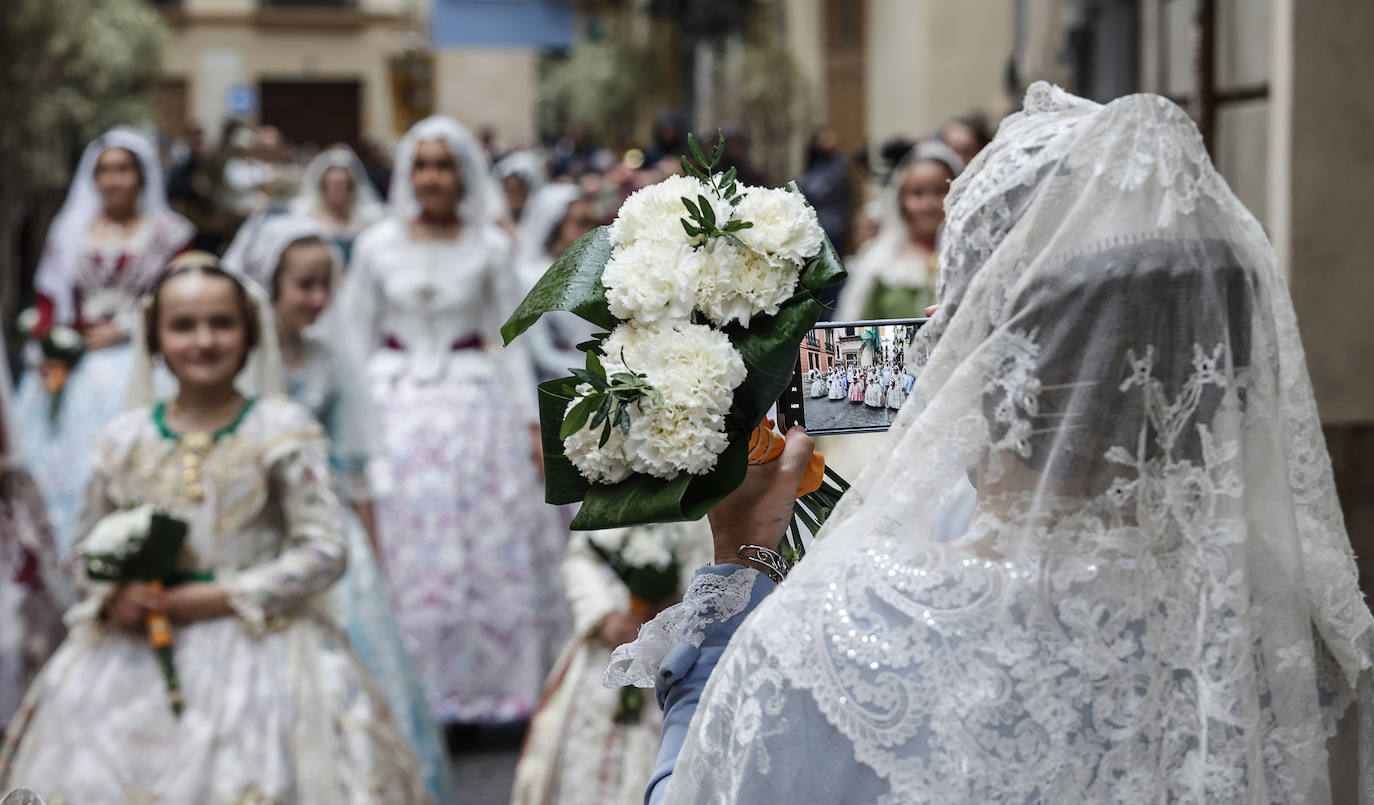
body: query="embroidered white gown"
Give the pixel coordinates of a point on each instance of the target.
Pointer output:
(278, 709)
(575, 753)
(469, 547)
(327, 384)
(106, 280)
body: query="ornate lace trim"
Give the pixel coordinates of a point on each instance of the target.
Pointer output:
(710, 599)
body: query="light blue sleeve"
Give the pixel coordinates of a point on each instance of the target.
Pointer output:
(683, 675)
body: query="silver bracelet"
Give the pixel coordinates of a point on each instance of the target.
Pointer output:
(770, 562)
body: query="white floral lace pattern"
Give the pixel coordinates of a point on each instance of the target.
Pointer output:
(1154, 599)
(710, 599)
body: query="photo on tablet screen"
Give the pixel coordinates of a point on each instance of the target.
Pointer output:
(852, 377)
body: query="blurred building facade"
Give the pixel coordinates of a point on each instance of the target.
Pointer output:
(900, 68)
(343, 70)
(318, 70)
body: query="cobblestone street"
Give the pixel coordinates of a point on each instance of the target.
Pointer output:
(825, 414)
(485, 778)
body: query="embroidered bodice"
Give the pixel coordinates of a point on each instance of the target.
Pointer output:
(112, 273)
(263, 518)
(426, 300)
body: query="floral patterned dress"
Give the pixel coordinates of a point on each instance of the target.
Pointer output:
(469, 547)
(278, 709)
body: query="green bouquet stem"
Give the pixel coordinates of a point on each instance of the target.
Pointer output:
(169, 675)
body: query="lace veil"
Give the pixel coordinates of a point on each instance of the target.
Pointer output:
(1154, 598)
(367, 205)
(261, 375)
(55, 274)
(480, 200)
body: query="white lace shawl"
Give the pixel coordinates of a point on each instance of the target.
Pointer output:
(56, 275)
(480, 201)
(367, 204)
(1156, 600)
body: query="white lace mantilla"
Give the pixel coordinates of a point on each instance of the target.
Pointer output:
(1154, 599)
(710, 599)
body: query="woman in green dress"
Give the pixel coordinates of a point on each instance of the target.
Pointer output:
(893, 275)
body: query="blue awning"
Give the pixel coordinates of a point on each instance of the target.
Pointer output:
(540, 24)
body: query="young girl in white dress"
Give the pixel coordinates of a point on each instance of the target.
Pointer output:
(873, 389)
(836, 384)
(554, 217)
(893, 275)
(819, 386)
(468, 545)
(277, 708)
(337, 194)
(107, 244)
(292, 258)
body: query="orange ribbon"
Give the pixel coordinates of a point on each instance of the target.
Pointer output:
(766, 444)
(54, 374)
(159, 625)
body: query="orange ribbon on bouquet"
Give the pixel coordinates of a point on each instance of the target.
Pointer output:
(766, 444)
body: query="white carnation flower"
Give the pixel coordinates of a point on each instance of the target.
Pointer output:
(116, 531)
(651, 280)
(644, 549)
(696, 369)
(690, 364)
(785, 228)
(655, 212)
(65, 338)
(610, 540)
(737, 284)
(598, 464)
(669, 439)
(28, 320)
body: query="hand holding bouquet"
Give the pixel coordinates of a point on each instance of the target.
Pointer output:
(705, 288)
(141, 545)
(649, 562)
(62, 348)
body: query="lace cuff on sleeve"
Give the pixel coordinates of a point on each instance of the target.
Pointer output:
(716, 594)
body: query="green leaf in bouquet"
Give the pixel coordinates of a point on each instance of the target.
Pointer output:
(153, 558)
(697, 153)
(823, 270)
(707, 212)
(692, 208)
(596, 381)
(578, 415)
(603, 411)
(573, 284)
(719, 149)
(591, 345)
(562, 482)
(644, 499)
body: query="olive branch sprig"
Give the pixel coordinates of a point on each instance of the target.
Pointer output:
(701, 221)
(608, 404)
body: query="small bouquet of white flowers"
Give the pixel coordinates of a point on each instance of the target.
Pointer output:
(705, 288)
(62, 348)
(141, 544)
(647, 559)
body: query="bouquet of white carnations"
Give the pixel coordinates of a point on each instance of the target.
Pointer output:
(706, 288)
(62, 348)
(141, 544)
(649, 563)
